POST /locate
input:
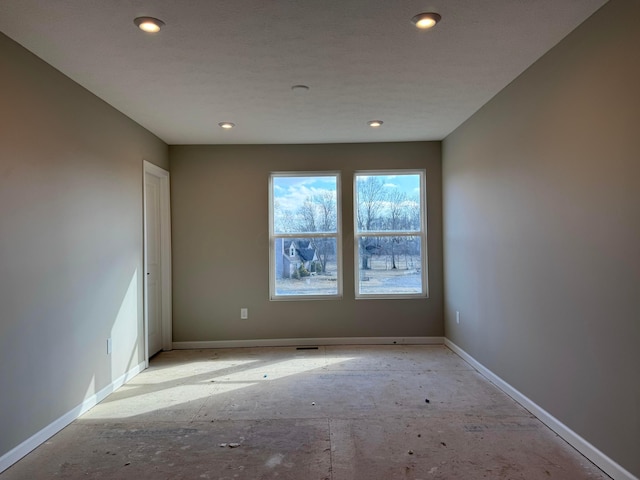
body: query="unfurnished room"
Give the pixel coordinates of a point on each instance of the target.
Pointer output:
(334, 240)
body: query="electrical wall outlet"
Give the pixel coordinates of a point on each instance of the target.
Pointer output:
(109, 346)
(457, 316)
(244, 313)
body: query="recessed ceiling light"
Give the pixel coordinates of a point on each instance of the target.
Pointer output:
(300, 88)
(227, 125)
(426, 21)
(375, 123)
(148, 24)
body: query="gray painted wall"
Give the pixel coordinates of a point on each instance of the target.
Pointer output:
(541, 192)
(220, 244)
(70, 243)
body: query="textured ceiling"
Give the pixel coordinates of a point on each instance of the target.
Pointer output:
(236, 60)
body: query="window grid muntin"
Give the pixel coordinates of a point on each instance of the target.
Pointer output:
(422, 234)
(274, 236)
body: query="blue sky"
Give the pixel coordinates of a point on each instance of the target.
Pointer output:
(409, 184)
(292, 191)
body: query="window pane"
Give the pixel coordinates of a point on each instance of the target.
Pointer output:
(388, 202)
(304, 204)
(390, 265)
(306, 266)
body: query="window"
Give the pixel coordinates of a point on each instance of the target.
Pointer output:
(390, 234)
(304, 235)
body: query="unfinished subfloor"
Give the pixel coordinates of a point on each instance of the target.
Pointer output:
(339, 413)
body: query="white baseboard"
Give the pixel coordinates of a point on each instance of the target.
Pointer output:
(606, 464)
(293, 342)
(12, 456)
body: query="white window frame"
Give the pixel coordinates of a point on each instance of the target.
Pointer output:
(422, 234)
(337, 235)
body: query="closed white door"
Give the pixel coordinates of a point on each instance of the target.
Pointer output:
(154, 263)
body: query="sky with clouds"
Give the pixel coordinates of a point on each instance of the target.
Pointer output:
(290, 192)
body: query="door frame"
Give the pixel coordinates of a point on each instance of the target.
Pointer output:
(165, 256)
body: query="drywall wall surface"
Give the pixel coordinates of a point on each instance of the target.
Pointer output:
(220, 235)
(541, 193)
(70, 243)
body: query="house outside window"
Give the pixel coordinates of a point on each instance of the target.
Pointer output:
(390, 237)
(305, 239)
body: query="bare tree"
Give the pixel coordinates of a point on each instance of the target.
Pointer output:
(318, 214)
(326, 202)
(396, 219)
(307, 216)
(284, 220)
(371, 197)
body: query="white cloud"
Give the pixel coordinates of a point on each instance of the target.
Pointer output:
(295, 196)
(390, 185)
